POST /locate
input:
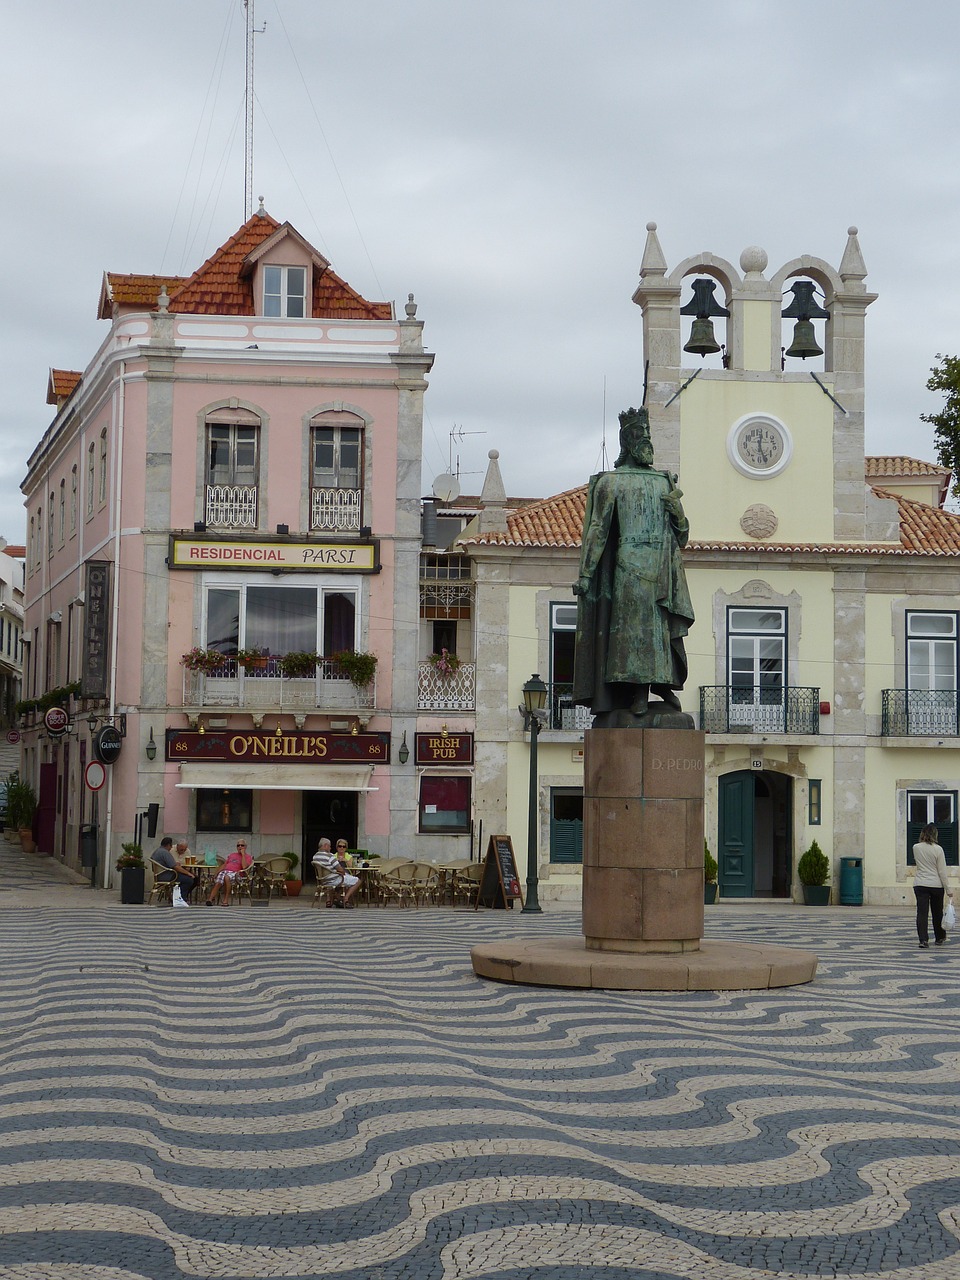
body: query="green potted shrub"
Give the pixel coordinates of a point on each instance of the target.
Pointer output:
(710, 873)
(813, 872)
(132, 874)
(358, 667)
(21, 808)
(298, 665)
(293, 883)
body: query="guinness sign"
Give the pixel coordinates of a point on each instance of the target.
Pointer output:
(106, 744)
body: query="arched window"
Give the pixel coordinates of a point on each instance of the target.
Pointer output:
(50, 522)
(336, 472)
(232, 468)
(91, 475)
(62, 531)
(73, 498)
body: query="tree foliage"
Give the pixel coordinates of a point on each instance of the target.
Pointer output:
(945, 377)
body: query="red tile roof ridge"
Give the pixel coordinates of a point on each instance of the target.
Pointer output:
(900, 464)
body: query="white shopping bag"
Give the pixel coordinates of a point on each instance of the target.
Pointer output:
(950, 916)
(178, 899)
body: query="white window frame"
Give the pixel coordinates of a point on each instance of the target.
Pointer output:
(321, 586)
(102, 488)
(278, 295)
(762, 640)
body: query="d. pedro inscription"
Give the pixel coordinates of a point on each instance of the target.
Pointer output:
(685, 764)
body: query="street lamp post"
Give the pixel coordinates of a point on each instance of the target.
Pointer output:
(534, 702)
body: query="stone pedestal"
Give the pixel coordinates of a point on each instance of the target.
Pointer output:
(643, 840)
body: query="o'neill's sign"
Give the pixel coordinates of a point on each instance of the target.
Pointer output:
(214, 553)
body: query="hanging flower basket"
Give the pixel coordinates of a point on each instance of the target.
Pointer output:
(203, 660)
(444, 663)
(358, 667)
(253, 659)
(299, 665)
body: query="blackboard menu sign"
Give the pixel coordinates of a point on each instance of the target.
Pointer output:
(500, 885)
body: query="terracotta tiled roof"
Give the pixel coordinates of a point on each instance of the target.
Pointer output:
(558, 522)
(890, 467)
(61, 384)
(223, 285)
(15, 552)
(132, 291)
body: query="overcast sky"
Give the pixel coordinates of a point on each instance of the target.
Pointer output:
(499, 159)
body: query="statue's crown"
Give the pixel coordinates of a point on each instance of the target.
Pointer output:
(635, 418)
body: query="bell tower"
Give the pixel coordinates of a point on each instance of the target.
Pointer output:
(765, 422)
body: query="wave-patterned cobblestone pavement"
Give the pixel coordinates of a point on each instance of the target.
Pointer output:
(254, 1093)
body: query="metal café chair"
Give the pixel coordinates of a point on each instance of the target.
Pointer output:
(271, 877)
(161, 890)
(466, 884)
(328, 891)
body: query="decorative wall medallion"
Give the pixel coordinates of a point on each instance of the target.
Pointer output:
(755, 589)
(759, 521)
(759, 445)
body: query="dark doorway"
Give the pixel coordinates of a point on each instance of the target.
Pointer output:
(755, 835)
(327, 813)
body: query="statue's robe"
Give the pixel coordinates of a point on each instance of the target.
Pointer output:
(636, 612)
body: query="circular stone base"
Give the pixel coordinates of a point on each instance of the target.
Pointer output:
(717, 966)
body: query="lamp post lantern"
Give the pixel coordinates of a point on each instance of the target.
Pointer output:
(534, 702)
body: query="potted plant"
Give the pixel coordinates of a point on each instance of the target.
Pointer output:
(293, 884)
(710, 872)
(21, 808)
(444, 663)
(253, 659)
(356, 666)
(298, 665)
(206, 660)
(132, 872)
(813, 872)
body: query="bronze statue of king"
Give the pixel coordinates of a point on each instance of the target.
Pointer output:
(634, 606)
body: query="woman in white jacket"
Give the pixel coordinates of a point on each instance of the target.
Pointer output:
(929, 886)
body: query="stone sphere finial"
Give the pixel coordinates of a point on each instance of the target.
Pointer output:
(754, 259)
(852, 231)
(493, 455)
(651, 226)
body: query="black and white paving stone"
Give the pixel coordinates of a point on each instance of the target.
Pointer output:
(252, 1093)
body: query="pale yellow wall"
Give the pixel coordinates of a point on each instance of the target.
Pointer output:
(756, 334)
(880, 673)
(716, 494)
(888, 774)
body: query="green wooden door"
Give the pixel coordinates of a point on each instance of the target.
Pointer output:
(736, 835)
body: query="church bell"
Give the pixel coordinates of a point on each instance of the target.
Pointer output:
(702, 306)
(804, 309)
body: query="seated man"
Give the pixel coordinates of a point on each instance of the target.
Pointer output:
(165, 856)
(331, 875)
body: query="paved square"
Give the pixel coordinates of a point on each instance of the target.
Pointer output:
(262, 1092)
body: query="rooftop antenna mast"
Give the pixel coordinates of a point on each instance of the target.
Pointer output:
(458, 434)
(252, 31)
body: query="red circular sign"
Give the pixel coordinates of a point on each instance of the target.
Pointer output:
(56, 720)
(95, 775)
(13, 735)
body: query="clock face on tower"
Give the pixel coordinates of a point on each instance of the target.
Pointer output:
(759, 445)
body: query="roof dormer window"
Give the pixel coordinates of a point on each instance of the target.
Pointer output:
(285, 291)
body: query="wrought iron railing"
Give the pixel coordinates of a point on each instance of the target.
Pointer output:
(335, 510)
(919, 713)
(757, 709)
(264, 688)
(231, 506)
(456, 691)
(564, 714)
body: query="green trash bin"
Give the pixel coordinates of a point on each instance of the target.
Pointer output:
(851, 882)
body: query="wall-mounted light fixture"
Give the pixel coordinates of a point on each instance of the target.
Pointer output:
(403, 755)
(278, 731)
(150, 750)
(283, 528)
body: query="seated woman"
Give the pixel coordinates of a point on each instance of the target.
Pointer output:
(331, 874)
(236, 862)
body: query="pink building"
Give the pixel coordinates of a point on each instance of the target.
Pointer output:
(237, 472)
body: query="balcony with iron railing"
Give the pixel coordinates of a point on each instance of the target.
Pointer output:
(564, 713)
(335, 510)
(447, 691)
(232, 686)
(919, 713)
(759, 709)
(230, 506)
